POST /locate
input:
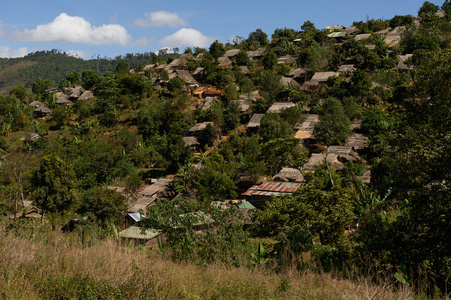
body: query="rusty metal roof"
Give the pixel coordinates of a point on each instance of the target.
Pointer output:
(272, 188)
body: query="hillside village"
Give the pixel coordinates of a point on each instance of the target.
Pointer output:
(329, 142)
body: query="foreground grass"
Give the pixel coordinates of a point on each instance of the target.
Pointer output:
(52, 265)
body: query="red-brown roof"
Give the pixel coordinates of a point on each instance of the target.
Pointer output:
(272, 188)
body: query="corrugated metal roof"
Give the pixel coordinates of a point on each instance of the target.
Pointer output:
(134, 232)
(135, 216)
(272, 188)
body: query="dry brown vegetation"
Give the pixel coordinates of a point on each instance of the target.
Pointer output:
(40, 264)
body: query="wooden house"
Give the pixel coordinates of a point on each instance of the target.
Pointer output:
(185, 75)
(319, 158)
(232, 53)
(257, 195)
(346, 69)
(87, 95)
(323, 76)
(288, 81)
(289, 175)
(256, 54)
(254, 122)
(244, 105)
(278, 107)
(151, 193)
(42, 111)
(286, 59)
(199, 127)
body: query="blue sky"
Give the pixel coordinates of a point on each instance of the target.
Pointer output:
(111, 28)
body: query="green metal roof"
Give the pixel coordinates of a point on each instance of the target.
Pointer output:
(246, 204)
(134, 232)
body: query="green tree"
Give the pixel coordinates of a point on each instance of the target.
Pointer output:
(428, 9)
(414, 164)
(90, 79)
(257, 39)
(176, 84)
(283, 152)
(213, 185)
(333, 126)
(272, 126)
(216, 49)
(20, 93)
(74, 78)
(446, 6)
(315, 208)
(103, 205)
(269, 59)
(242, 59)
(54, 185)
(40, 86)
(122, 69)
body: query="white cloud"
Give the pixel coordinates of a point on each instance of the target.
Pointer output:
(68, 29)
(186, 37)
(161, 19)
(11, 53)
(78, 53)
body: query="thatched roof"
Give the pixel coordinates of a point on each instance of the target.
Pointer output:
(347, 68)
(148, 67)
(186, 76)
(36, 103)
(307, 128)
(289, 175)
(363, 36)
(224, 59)
(286, 59)
(256, 53)
(251, 96)
(187, 56)
(288, 81)
(350, 29)
(345, 153)
(76, 92)
(402, 66)
(318, 158)
(357, 141)
(244, 104)
(198, 71)
(304, 134)
(232, 53)
(323, 76)
(297, 72)
(200, 126)
(190, 141)
(310, 85)
(245, 70)
(277, 107)
(43, 110)
(177, 63)
(366, 178)
(208, 102)
(255, 121)
(87, 95)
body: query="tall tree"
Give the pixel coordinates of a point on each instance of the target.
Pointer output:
(54, 185)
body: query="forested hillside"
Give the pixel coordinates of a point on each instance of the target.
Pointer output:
(309, 150)
(55, 65)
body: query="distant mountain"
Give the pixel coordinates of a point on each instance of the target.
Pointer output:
(55, 65)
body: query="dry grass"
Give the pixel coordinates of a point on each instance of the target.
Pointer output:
(34, 268)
